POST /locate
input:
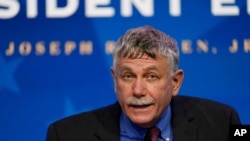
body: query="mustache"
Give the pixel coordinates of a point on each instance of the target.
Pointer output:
(133, 101)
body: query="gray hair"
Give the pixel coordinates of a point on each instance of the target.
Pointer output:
(137, 42)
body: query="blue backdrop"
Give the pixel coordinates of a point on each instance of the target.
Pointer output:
(55, 55)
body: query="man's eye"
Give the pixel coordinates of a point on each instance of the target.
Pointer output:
(152, 77)
(127, 76)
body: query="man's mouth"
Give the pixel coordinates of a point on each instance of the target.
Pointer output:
(140, 106)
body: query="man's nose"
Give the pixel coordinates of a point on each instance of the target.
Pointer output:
(139, 88)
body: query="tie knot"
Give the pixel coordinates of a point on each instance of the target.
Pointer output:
(152, 134)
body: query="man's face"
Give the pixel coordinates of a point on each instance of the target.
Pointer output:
(144, 88)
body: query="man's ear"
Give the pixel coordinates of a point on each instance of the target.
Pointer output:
(177, 81)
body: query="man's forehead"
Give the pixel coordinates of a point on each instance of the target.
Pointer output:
(139, 61)
(142, 58)
(142, 63)
(144, 67)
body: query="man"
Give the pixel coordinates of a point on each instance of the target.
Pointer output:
(147, 80)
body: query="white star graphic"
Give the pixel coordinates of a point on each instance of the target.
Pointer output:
(7, 69)
(70, 108)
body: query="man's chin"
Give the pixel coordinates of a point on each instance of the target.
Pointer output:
(143, 121)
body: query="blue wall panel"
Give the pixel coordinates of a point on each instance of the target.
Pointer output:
(55, 66)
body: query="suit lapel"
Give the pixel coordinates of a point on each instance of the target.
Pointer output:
(109, 129)
(184, 125)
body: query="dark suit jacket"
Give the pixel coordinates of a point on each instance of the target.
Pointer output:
(193, 119)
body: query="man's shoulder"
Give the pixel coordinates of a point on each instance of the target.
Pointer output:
(200, 102)
(91, 117)
(102, 121)
(204, 109)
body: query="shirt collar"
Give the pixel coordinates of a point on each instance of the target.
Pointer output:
(164, 124)
(135, 131)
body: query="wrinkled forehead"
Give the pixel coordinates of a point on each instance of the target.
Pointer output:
(142, 65)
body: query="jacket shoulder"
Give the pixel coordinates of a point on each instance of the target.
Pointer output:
(85, 122)
(87, 116)
(208, 108)
(202, 102)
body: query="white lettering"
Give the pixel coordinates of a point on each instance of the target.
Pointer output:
(175, 8)
(247, 45)
(145, 7)
(10, 10)
(248, 7)
(25, 48)
(186, 47)
(243, 131)
(202, 46)
(10, 50)
(95, 8)
(69, 47)
(40, 48)
(222, 8)
(240, 132)
(32, 8)
(86, 47)
(237, 132)
(54, 48)
(109, 47)
(234, 47)
(52, 11)
(214, 50)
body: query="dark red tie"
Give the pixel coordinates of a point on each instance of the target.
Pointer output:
(152, 134)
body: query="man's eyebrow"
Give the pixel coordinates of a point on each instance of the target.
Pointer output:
(122, 68)
(151, 68)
